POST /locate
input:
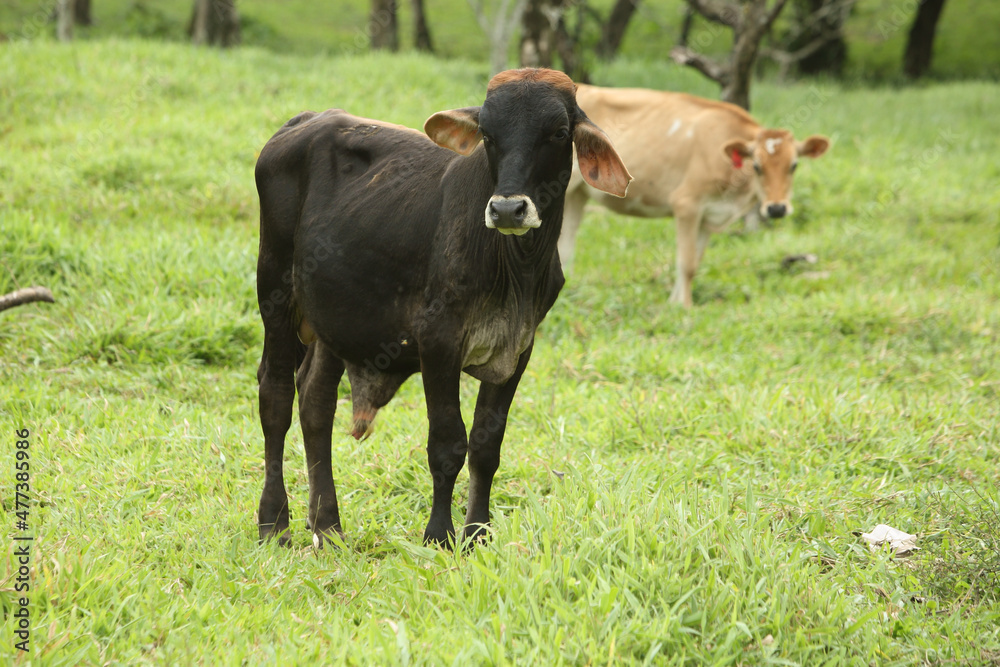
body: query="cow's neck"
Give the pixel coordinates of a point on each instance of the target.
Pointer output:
(520, 285)
(519, 266)
(536, 247)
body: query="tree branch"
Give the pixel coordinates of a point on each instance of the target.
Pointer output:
(725, 13)
(26, 295)
(481, 18)
(713, 69)
(790, 57)
(819, 19)
(773, 14)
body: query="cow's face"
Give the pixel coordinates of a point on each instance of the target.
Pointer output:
(774, 155)
(528, 125)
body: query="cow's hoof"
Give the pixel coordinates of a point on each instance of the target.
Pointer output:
(476, 534)
(270, 532)
(332, 537)
(440, 539)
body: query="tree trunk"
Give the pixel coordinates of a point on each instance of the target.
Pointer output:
(64, 20)
(823, 21)
(421, 33)
(215, 23)
(538, 32)
(686, 26)
(749, 21)
(566, 45)
(383, 26)
(737, 89)
(920, 44)
(499, 28)
(613, 32)
(82, 13)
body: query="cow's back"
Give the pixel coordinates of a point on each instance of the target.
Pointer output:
(336, 165)
(665, 140)
(350, 209)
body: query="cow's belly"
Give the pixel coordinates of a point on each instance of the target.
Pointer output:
(635, 204)
(360, 316)
(719, 214)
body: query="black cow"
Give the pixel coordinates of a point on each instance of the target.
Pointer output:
(374, 258)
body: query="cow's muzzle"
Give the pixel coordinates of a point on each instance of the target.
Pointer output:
(775, 210)
(512, 215)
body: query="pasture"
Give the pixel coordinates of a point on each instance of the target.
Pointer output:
(676, 488)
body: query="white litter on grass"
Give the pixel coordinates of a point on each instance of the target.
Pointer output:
(901, 543)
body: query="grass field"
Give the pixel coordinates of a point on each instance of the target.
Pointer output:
(677, 488)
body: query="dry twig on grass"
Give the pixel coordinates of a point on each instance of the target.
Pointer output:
(26, 295)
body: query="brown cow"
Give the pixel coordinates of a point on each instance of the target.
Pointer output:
(704, 162)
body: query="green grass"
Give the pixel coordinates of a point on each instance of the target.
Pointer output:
(677, 488)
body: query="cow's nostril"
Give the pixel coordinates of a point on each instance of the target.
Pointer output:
(776, 210)
(511, 214)
(507, 212)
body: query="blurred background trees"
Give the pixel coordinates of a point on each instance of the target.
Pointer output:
(729, 41)
(750, 21)
(813, 40)
(383, 25)
(214, 22)
(920, 45)
(421, 31)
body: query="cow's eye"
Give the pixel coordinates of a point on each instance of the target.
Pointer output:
(756, 167)
(562, 134)
(486, 138)
(794, 166)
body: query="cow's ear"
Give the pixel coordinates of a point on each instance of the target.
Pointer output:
(457, 129)
(813, 147)
(737, 151)
(599, 162)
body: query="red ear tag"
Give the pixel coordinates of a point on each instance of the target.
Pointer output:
(737, 160)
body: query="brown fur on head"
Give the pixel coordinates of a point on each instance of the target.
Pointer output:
(552, 77)
(460, 129)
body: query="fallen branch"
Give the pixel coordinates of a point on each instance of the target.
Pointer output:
(26, 295)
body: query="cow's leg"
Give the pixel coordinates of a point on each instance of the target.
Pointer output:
(576, 199)
(488, 429)
(276, 381)
(703, 236)
(752, 220)
(446, 438)
(688, 232)
(300, 378)
(317, 403)
(276, 395)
